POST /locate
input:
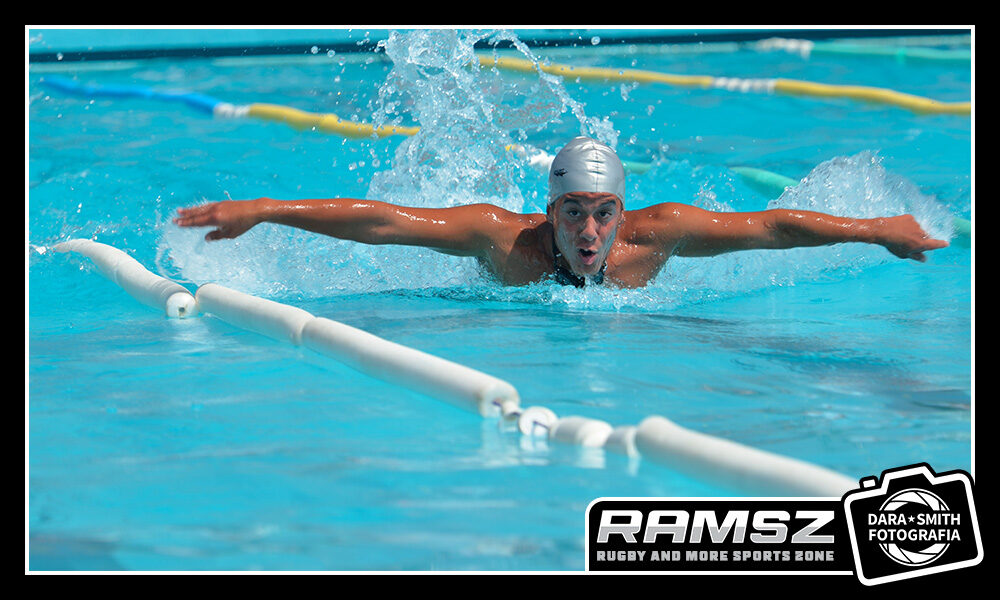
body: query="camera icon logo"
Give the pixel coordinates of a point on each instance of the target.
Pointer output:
(908, 506)
(913, 523)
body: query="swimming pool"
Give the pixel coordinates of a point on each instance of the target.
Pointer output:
(190, 444)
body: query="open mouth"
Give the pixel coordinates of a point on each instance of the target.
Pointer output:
(588, 256)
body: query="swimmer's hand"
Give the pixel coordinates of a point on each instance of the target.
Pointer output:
(231, 218)
(905, 238)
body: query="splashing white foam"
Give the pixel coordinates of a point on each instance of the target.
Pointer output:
(468, 116)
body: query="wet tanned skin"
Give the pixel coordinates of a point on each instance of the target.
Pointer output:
(589, 228)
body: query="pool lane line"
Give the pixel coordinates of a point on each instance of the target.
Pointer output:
(433, 376)
(297, 119)
(769, 183)
(328, 122)
(148, 288)
(773, 185)
(199, 102)
(371, 355)
(702, 456)
(570, 39)
(902, 54)
(919, 50)
(793, 87)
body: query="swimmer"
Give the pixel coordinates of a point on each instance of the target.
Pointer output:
(585, 235)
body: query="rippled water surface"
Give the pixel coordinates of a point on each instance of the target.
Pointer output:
(193, 445)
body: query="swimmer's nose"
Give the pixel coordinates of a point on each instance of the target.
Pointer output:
(589, 231)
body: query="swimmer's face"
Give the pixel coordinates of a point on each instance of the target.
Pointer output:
(585, 226)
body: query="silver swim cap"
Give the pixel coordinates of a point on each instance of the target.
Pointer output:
(586, 165)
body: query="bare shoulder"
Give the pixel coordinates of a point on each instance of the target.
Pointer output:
(667, 211)
(513, 245)
(658, 224)
(496, 222)
(468, 230)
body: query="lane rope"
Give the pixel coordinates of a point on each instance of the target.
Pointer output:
(793, 87)
(295, 118)
(656, 438)
(902, 54)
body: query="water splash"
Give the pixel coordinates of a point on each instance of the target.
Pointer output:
(468, 116)
(855, 186)
(859, 186)
(458, 156)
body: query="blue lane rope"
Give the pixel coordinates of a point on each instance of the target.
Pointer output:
(298, 119)
(195, 100)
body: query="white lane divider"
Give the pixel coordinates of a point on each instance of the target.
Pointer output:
(656, 438)
(150, 289)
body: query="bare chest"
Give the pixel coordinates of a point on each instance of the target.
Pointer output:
(628, 265)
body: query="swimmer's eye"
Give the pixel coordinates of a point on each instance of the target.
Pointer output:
(604, 214)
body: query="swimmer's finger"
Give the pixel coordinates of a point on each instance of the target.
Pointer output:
(184, 221)
(192, 221)
(216, 234)
(193, 210)
(186, 216)
(195, 216)
(930, 244)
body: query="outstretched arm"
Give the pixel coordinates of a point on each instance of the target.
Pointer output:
(704, 233)
(462, 230)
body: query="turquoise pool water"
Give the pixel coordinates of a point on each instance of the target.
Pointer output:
(159, 444)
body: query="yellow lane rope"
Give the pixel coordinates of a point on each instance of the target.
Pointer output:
(597, 73)
(916, 104)
(786, 86)
(329, 123)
